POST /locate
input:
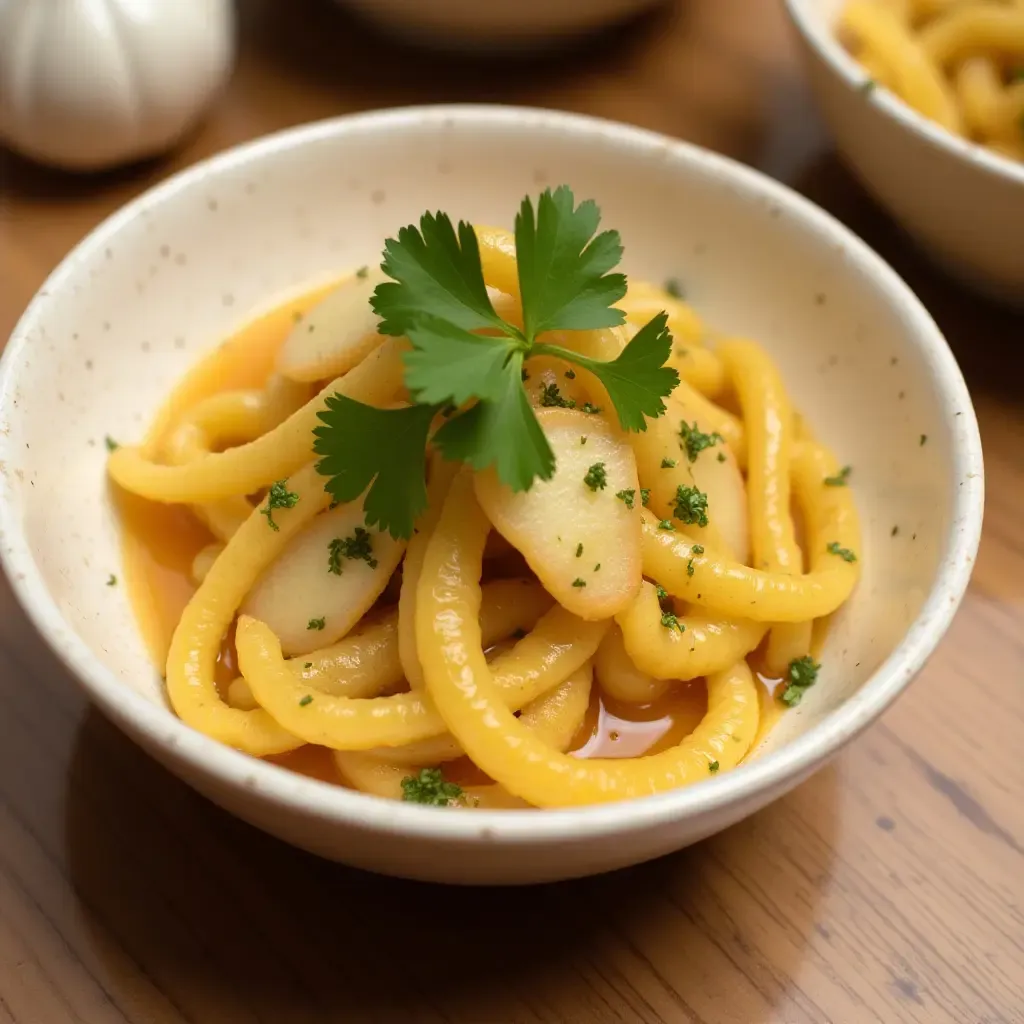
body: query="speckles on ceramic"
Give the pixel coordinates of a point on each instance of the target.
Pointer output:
(297, 209)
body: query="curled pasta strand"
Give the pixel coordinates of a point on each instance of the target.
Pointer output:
(768, 417)
(191, 686)
(554, 718)
(272, 456)
(738, 591)
(460, 681)
(620, 678)
(965, 31)
(558, 645)
(367, 663)
(694, 645)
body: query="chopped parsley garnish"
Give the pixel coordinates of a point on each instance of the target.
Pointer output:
(894, 531)
(924, 439)
(691, 506)
(845, 554)
(840, 479)
(697, 549)
(627, 497)
(278, 497)
(551, 397)
(721, 456)
(693, 441)
(868, 86)
(578, 582)
(645, 496)
(358, 547)
(593, 410)
(713, 767)
(579, 549)
(596, 478)
(666, 524)
(661, 592)
(670, 621)
(597, 568)
(429, 787)
(308, 664)
(570, 374)
(583, 439)
(668, 463)
(308, 699)
(111, 580)
(674, 288)
(316, 623)
(436, 297)
(802, 673)
(362, 272)
(111, 444)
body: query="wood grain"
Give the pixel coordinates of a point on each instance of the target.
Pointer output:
(888, 888)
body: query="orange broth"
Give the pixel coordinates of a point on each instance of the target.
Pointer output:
(161, 541)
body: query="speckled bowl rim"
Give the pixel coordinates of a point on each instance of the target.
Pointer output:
(327, 802)
(822, 39)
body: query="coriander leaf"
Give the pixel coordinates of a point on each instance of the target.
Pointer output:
(627, 497)
(637, 380)
(434, 272)
(449, 365)
(802, 673)
(564, 277)
(840, 479)
(383, 449)
(429, 787)
(503, 433)
(845, 554)
(551, 398)
(670, 621)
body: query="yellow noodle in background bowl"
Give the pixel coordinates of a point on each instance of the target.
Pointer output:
(758, 275)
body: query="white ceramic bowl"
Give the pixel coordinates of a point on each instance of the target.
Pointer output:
(963, 204)
(495, 22)
(160, 283)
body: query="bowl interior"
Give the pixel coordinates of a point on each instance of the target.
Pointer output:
(161, 283)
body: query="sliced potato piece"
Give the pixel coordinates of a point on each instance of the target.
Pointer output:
(644, 300)
(307, 604)
(336, 334)
(583, 543)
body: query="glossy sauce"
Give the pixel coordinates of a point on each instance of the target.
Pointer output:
(161, 541)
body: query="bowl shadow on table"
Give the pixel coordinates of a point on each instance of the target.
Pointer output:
(226, 921)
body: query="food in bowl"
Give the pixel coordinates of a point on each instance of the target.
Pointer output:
(390, 515)
(959, 64)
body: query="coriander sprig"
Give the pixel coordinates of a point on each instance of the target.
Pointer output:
(436, 297)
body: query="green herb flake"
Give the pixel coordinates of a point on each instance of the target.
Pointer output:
(845, 554)
(307, 700)
(894, 531)
(579, 582)
(840, 479)
(645, 496)
(697, 549)
(802, 673)
(278, 497)
(552, 398)
(671, 621)
(583, 439)
(713, 767)
(694, 441)
(597, 567)
(308, 664)
(666, 524)
(674, 288)
(668, 463)
(867, 87)
(924, 440)
(362, 272)
(358, 547)
(579, 549)
(691, 506)
(661, 592)
(721, 456)
(627, 497)
(570, 374)
(111, 580)
(429, 787)
(596, 477)
(316, 624)
(592, 410)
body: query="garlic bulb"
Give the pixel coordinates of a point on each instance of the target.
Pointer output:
(88, 84)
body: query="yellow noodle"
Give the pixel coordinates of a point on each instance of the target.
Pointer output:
(459, 680)
(619, 677)
(768, 417)
(697, 646)
(274, 455)
(970, 30)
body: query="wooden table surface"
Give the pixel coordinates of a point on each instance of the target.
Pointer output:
(888, 888)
